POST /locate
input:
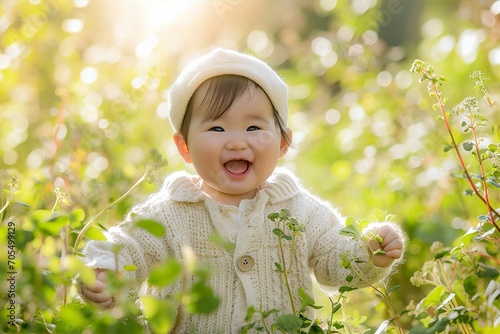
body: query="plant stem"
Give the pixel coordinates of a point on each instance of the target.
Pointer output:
(483, 176)
(436, 91)
(5, 206)
(12, 190)
(64, 253)
(347, 327)
(464, 327)
(328, 330)
(390, 306)
(285, 274)
(90, 222)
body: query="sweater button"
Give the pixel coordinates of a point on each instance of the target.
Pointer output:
(245, 263)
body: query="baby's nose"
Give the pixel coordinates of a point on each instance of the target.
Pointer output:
(237, 142)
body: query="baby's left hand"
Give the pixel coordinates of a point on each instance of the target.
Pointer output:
(391, 244)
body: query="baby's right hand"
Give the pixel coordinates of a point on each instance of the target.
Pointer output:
(98, 293)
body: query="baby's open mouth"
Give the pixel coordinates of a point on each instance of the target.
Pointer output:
(237, 167)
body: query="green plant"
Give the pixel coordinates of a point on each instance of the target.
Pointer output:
(287, 230)
(465, 278)
(44, 271)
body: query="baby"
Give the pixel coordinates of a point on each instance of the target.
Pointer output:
(229, 114)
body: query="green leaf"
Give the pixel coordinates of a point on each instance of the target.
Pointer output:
(201, 299)
(470, 285)
(159, 313)
(448, 148)
(250, 312)
(266, 314)
(468, 192)
(130, 267)
(437, 327)
(352, 228)
(21, 203)
(468, 236)
(165, 273)
(77, 215)
(316, 329)
(95, 233)
(336, 307)
(493, 183)
(273, 216)
(307, 300)
(441, 254)
(468, 146)
(346, 288)
(284, 214)
(72, 319)
(288, 323)
(23, 237)
(446, 301)
(392, 289)
(487, 272)
(50, 223)
(151, 226)
(434, 297)
(278, 232)
(102, 227)
(492, 148)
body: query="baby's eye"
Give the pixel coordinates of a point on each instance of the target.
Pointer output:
(253, 128)
(217, 129)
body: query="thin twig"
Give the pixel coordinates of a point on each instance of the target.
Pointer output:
(90, 222)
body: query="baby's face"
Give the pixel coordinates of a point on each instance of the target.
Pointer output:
(237, 152)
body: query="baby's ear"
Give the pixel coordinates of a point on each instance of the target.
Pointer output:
(284, 146)
(182, 147)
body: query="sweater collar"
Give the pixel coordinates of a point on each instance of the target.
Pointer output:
(185, 187)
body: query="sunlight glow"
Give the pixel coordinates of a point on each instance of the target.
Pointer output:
(260, 43)
(432, 28)
(361, 6)
(72, 25)
(321, 46)
(495, 8)
(468, 44)
(161, 13)
(494, 56)
(88, 75)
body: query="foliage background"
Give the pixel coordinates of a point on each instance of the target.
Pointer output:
(83, 93)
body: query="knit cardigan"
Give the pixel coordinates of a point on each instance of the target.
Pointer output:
(190, 217)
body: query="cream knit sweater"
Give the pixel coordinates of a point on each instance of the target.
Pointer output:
(190, 218)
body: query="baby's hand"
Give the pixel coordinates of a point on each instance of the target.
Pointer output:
(391, 245)
(97, 293)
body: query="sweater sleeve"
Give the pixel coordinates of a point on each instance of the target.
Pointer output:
(127, 244)
(337, 260)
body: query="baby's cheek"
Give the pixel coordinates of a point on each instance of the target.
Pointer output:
(263, 139)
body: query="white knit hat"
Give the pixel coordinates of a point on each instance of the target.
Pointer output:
(219, 62)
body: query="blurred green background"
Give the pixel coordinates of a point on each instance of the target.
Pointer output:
(83, 88)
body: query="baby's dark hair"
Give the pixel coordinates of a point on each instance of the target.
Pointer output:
(221, 92)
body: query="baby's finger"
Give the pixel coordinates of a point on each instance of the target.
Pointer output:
(385, 232)
(96, 297)
(97, 287)
(394, 254)
(388, 237)
(392, 245)
(101, 275)
(105, 304)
